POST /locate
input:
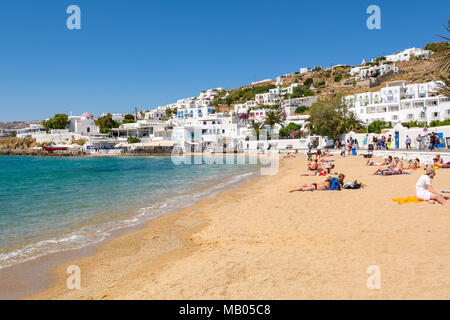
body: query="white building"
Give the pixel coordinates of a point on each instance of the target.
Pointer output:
(210, 131)
(83, 125)
(268, 98)
(406, 54)
(145, 130)
(259, 115)
(398, 103)
(30, 131)
(305, 70)
(155, 114)
(365, 72)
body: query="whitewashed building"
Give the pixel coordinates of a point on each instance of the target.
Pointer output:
(305, 70)
(406, 54)
(83, 125)
(30, 131)
(399, 102)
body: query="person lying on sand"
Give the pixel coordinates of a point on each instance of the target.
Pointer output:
(323, 172)
(425, 191)
(414, 164)
(313, 165)
(373, 163)
(438, 164)
(320, 186)
(387, 162)
(397, 168)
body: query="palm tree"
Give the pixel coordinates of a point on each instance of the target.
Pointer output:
(444, 66)
(273, 118)
(256, 127)
(353, 122)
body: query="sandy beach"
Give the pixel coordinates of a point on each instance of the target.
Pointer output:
(261, 242)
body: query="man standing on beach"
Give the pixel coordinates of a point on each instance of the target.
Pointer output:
(408, 143)
(419, 141)
(424, 190)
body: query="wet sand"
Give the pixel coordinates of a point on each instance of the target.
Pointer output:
(261, 242)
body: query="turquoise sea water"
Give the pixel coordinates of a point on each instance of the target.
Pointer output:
(50, 204)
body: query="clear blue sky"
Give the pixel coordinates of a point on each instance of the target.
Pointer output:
(147, 53)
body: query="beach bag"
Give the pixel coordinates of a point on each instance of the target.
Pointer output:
(352, 185)
(335, 185)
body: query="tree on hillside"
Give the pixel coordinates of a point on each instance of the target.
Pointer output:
(59, 121)
(444, 67)
(106, 123)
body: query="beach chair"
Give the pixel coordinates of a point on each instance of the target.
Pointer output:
(369, 153)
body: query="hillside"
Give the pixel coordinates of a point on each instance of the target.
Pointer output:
(337, 80)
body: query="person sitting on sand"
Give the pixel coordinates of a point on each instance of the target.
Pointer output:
(425, 191)
(319, 186)
(439, 158)
(414, 164)
(397, 168)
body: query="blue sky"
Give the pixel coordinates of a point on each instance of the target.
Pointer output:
(147, 53)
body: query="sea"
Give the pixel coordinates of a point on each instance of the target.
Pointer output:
(51, 204)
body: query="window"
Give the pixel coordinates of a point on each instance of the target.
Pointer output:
(410, 116)
(394, 117)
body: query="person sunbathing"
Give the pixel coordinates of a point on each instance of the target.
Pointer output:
(323, 172)
(414, 164)
(439, 158)
(313, 165)
(373, 163)
(439, 164)
(395, 168)
(319, 186)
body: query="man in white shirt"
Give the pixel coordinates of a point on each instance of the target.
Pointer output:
(425, 191)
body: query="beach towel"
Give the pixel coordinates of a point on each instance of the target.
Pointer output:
(413, 199)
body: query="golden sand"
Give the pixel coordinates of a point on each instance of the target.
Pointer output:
(261, 242)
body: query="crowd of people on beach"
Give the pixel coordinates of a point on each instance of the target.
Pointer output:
(319, 165)
(429, 141)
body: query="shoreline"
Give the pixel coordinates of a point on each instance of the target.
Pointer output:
(24, 273)
(306, 246)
